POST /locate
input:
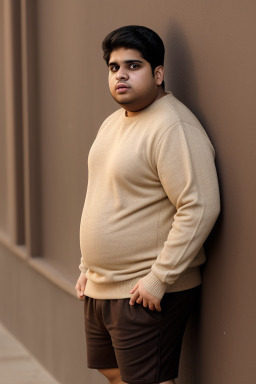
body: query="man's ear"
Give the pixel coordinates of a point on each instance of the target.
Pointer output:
(159, 74)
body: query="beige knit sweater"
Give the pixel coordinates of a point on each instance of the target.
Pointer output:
(152, 200)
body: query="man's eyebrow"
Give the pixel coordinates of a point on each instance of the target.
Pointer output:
(126, 62)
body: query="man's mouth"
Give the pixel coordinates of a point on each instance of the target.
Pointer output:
(122, 87)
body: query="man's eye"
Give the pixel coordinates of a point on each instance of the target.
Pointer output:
(134, 66)
(113, 69)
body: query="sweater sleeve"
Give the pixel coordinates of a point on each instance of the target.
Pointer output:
(185, 163)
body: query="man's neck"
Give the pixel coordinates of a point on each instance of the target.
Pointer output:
(161, 93)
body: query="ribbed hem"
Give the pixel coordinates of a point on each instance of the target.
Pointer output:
(121, 290)
(113, 290)
(191, 278)
(154, 286)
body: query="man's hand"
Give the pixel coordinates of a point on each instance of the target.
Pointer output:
(141, 296)
(80, 286)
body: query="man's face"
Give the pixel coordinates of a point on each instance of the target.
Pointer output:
(131, 81)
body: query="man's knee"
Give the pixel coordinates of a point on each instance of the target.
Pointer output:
(112, 374)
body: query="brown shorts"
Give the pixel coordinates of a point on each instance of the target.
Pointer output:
(145, 345)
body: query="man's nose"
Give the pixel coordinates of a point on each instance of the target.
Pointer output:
(121, 75)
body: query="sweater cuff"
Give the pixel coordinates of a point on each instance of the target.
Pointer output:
(154, 286)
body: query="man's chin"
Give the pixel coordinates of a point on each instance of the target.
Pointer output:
(122, 100)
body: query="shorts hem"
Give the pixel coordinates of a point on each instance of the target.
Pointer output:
(99, 366)
(153, 381)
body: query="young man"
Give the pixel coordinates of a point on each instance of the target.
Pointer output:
(152, 200)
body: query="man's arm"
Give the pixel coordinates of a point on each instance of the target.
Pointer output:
(186, 169)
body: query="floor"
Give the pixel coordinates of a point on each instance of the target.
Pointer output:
(17, 365)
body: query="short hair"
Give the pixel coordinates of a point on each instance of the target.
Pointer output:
(143, 39)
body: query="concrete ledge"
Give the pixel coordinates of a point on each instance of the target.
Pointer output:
(17, 365)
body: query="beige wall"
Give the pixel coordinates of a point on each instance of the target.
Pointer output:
(53, 97)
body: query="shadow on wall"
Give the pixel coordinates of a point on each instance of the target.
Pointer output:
(182, 81)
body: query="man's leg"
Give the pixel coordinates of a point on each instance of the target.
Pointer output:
(168, 382)
(113, 376)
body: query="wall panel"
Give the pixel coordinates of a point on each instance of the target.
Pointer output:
(3, 140)
(11, 123)
(65, 128)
